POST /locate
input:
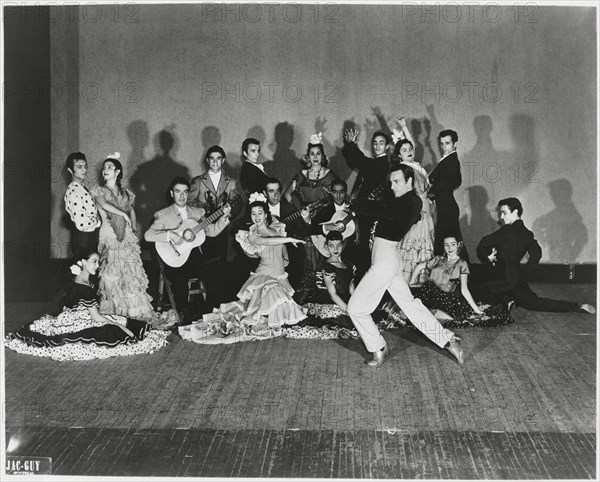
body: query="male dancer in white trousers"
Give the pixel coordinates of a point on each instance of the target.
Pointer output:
(394, 219)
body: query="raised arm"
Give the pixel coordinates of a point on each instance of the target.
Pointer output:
(401, 121)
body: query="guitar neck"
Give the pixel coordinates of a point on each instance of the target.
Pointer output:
(312, 207)
(207, 221)
(291, 217)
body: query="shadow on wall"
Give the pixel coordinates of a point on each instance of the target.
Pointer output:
(151, 179)
(562, 229)
(478, 222)
(337, 162)
(486, 165)
(526, 160)
(285, 160)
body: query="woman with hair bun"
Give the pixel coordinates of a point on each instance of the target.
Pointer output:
(265, 301)
(314, 182)
(123, 281)
(82, 331)
(447, 290)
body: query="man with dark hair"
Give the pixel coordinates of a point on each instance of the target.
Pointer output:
(445, 178)
(210, 191)
(81, 206)
(372, 174)
(252, 175)
(164, 230)
(394, 217)
(502, 252)
(278, 205)
(213, 188)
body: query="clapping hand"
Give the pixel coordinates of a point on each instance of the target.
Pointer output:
(493, 256)
(351, 135)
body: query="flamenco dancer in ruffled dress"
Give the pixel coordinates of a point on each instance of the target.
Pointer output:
(123, 281)
(265, 302)
(81, 331)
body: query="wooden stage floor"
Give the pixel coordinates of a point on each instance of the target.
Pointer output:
(522, 407)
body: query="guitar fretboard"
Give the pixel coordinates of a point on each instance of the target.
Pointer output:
(213, 217)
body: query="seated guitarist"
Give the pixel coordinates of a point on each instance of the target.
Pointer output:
(166, 221)
(210, 191)
(320, 224)
(339, 189)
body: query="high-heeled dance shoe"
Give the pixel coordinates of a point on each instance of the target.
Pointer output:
(456, 350)
(378, 356)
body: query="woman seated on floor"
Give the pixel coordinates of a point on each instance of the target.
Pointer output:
(333, 287)
(80, 331)
(265, 301)
(447, 290)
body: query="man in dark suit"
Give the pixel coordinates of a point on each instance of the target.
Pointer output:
(445, 178)
(252, 175)
(163, 229)
(372, 175)
(210, 191)
(502, 252)
(278, 205)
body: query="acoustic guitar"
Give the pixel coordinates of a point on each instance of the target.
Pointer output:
(176, 256)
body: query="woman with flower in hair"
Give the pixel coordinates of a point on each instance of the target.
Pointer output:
(417, 245)
(265, 301)
(123, 281)
(314, 182)
(81, 331)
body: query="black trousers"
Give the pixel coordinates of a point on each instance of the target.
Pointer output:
(506, 282)
(210, 272)
(80, 239)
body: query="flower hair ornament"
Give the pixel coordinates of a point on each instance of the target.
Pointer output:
(76, 268)
(316, 138)
(115, 155)
(257, 197)
(397, 135)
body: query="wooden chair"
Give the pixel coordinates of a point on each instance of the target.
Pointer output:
(195, 287)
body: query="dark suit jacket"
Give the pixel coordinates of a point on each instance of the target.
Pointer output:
(252, 178)
(203, 194)
(445, 178)
(511, 241)
(372, 171)
(395, 216)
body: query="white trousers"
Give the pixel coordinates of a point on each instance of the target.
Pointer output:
(384, 275)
